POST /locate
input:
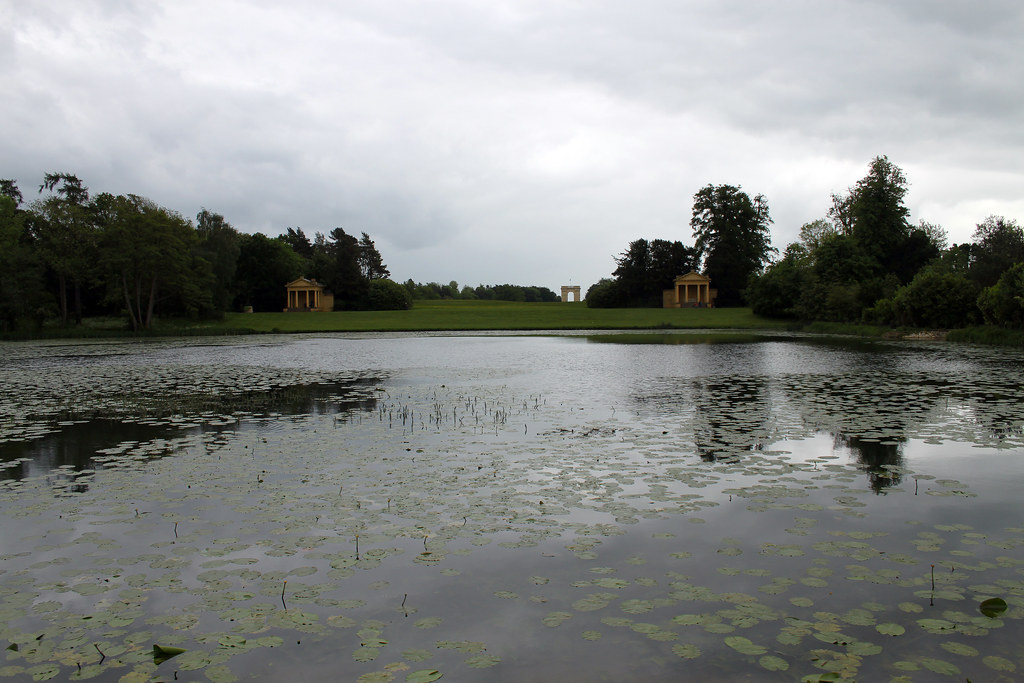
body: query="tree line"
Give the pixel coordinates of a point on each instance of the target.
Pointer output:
(864, 262)
(506, 292)
(69, 254)
(731, 244)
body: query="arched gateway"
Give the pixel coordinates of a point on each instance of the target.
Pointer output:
(570, 290)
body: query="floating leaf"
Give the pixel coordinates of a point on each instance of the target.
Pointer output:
(939, 666)
(999, 663)
(744, 645)
(423, 676)
(686, 651)
(773, 663)
(890, 629)
(992, 607)
(162, 653)
(482, 661)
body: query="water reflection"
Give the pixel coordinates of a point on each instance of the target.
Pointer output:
(730, 416)
(70, 448)
(871, 404)
(881, 460)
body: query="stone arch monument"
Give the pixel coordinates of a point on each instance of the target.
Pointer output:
(570, 290)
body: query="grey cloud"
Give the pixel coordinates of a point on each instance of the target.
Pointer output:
(515, 140)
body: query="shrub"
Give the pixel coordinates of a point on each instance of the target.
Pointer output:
(386, 295)
(1003, 303)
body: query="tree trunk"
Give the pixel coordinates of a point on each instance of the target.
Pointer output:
(78, 302)
(152, 303)
(62, 296)
(128, 303)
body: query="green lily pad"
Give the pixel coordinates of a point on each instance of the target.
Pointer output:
(992, 607)
(163, 653)
(744, 645)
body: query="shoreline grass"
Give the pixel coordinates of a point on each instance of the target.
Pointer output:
(428, 316)
(496, 316)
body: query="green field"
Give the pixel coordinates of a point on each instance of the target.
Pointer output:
(494, 315)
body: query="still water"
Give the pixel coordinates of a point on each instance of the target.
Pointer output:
(572, 507)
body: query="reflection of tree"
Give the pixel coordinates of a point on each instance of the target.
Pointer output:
(727, 415)
(62, 453)
(731, 416)
(873, 398)
(876, 457)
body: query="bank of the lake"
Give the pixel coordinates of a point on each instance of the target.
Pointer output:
(435, 316)
(462, 315)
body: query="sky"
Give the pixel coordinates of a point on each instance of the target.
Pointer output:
(515, 141)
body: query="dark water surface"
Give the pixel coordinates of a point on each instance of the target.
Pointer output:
(621, 507)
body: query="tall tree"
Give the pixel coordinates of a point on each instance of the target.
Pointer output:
(732, 238)
(371, 265)
(22, 294)
(998, 245)
(66, 238)
(873, 214)
(343, 275)
(218, 246)
(147, 256)
(646, 269)
(265, 266)
(9, 188)
(299, 243)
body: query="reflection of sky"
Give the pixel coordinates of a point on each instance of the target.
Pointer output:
(597, 448)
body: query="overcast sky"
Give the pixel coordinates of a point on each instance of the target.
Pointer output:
(520, 141)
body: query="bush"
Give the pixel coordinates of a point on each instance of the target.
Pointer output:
(1003, 303)
(932, 299)
(386, 295)
(776, 292)
(605, 293)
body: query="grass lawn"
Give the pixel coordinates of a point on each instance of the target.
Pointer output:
(495, 315)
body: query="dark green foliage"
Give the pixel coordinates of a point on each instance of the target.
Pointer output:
(869, 263)
(371, 265)
(386, 295)
(342, 273)
(1003, 303)
(731, 238)
(65, 237)
(876, 216)
(300, 244)
(265, 266)
(433, 290)
(998, 245)
(776, 292)
(219, 247)
(605, 293)
(934, 298)
(112, 254)
(9, 188)
(147, 257)
(23, 298)
(647, 268)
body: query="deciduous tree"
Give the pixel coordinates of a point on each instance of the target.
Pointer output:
(731, 238)
(65, 236)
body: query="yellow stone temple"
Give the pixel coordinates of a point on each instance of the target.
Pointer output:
(305, 294)
(692, 290)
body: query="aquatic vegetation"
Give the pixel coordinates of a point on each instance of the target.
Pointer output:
(517, 505)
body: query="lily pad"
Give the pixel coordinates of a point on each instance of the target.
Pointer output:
(163, 653)
(992, 607)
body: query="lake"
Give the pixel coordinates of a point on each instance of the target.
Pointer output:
(572, 507)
